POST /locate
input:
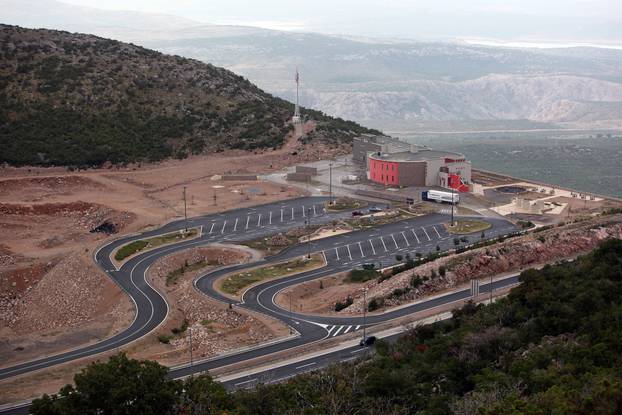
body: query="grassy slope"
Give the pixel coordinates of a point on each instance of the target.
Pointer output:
(73, 99)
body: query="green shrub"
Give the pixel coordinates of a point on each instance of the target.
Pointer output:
(130, 249)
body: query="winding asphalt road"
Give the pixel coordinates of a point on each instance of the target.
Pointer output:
(378, 245)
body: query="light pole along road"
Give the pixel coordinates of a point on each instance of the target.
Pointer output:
(420, 235)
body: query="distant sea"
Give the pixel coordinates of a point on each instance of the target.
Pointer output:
(586, 164)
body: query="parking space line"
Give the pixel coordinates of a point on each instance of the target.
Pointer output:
(337, 253)
(349, 253)
(439, 235)
(383, 244)
(303, 211)
(248, 218)
(235, 226)
(281, 215)
(259, 221)
(212, 228)
(314, 214)
(416, 237)
(270, 218)
(404, 235)
(426, 233)
(395, 242)
(361, 248)
(223, 227)
(292, 213)
(372, 247)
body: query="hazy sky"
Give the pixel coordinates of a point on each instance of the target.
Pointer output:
(559, 20)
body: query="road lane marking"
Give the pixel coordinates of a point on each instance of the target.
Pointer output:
(337, 253)
(292, 213)
(246, 381)
(349, 253)
(357, 327)
(303, 211)
(357, 351)
(372, 246)
(347, 330)
(259, 221)
(270, 218)
(248, 218)
(439, 235)
(394, 241)
(223, 227)
(361, 248)
(406, 239)
(281, 215)
(331, 329)
(235, 226)
(338, 330)
(307, 365)
(212, 228)
(426, 233)
(383, 244)
(416, 237)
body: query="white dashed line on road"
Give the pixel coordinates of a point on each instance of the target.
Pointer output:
(303, 366)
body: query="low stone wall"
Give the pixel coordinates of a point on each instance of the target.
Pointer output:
(306, 170)
(239, 177)
(299, 177)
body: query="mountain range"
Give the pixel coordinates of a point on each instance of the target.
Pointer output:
(392, 84)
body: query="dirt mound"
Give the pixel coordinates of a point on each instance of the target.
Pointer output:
(67, 294)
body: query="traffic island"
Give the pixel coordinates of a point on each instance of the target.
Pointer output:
(467, 226)
(130, 249)
(234, 285)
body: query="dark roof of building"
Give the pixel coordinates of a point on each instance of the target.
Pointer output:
(421, 155)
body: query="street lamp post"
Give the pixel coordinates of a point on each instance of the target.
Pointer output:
(364, 311)
(308, 222)
(185, 210)
(330, 183)
(191, 360)
(452, 205)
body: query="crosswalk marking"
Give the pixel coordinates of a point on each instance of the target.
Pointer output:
(340, 329)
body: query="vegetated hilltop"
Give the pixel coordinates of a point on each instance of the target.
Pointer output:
(552, 346)
(74, 99)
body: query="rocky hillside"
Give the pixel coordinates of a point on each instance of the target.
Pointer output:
(73, 99)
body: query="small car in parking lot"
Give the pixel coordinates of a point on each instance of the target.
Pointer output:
(375, 209)
(357, 213)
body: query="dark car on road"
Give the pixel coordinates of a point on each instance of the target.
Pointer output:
(367, 341)
(357, 213)
(375, 209)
